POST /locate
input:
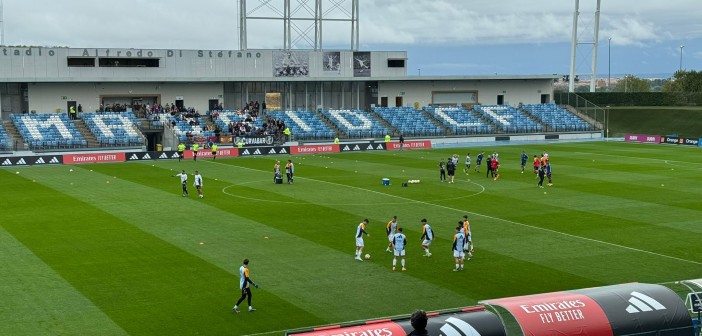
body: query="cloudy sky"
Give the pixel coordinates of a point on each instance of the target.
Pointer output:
(443, 37)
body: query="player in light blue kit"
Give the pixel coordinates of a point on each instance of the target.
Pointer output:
(399, 241)
(427, 237)
(459, 243)
(244, 281)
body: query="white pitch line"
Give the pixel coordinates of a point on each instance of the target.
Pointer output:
(486, 216)
(636, 157)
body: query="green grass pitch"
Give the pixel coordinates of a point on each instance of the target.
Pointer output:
(113, 249)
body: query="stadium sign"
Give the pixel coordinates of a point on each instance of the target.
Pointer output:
(361, 146)
(559, 313)
(11, 161)
(314, 149)
(409, 145)
(259, 151)
(266, 140)
(140, 156)
(94, 158)
(674, 140)
(166, 155)
(639, 309)
(629, 309)
(207, 153)
(645, 138)
(127, 53)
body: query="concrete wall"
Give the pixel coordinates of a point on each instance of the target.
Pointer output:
(47, 97)
(19, 64)
(527, 91)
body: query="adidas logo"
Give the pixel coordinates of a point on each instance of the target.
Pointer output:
(163, 156)
(245, 152)
(370, 147)
(346, 148)
(283, 151)
(380, 147)
(357, 148)
(40, 161)
(54, 160)
(257, 152)
(456, 326)
(134, 157)
(7, 162)
(146, 157)
(21, 162)
(174, 156)
(642, 303)
(272, 151)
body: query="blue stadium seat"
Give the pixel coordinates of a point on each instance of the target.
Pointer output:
(45, 129)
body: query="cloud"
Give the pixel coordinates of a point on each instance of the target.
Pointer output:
(212, 24)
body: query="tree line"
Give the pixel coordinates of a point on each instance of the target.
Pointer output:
(682, 81)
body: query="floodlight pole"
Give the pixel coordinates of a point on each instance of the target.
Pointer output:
(595, 48)
(242, 25)
(681, 52)
(2, 23)
(573, 47)
(609, 62)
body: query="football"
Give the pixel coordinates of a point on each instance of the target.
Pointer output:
(367, 256)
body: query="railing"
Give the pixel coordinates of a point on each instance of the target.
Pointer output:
(593, 114)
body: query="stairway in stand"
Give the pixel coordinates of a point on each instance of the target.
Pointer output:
(86, 133)
(433, 120)
(328, 122)
(15, 138)
(393, 131)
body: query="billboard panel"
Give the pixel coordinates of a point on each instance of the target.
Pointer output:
(257, 151)
(637, 308)
(361, 64)
(314, 149)
(645, 138)
(559, 313)
(207, 153)
(362, 146)
(94, 158)
(331, 63)
(475, 321)
(291, 64)
(409, 145)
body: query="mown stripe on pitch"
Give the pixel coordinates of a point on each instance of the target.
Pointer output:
(341, 215)
(144, 284)
(38, 301)
(564, 224)
(300, 267)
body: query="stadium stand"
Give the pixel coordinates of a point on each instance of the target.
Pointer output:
(408, 121)
(356, 123)
(459, 120)
(4, 138)
(227, 117)
(48, 130)
(114, 128)
(304, 124)
(557, 119)
(189, 126)
(509, 119)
